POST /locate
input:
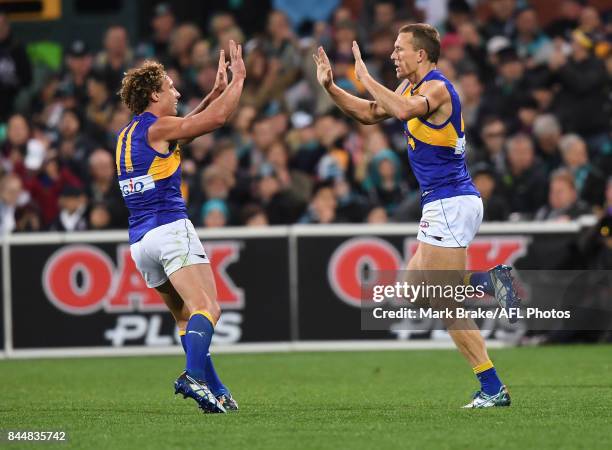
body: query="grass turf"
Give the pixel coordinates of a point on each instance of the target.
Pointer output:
(562, 398)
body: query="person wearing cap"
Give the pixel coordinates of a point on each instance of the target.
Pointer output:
(79, 61)
(214, 213)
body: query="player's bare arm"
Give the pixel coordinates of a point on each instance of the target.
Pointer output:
(168, 128)
(218, 88)
(431, 97)
(362, 110)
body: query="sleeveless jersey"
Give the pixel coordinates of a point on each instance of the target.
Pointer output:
(437, 152)
(150, 181)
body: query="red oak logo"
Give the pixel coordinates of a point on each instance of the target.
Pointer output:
(122, 289)
(349, 261)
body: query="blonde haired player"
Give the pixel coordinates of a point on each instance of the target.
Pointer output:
(430, 111)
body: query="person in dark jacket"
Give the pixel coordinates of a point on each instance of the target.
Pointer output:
(15, 68)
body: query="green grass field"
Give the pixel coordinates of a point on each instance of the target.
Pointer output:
(562, 398)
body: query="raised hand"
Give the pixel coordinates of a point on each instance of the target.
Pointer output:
(221, 79)
(236, 62)
(324, 70)
(361, 71)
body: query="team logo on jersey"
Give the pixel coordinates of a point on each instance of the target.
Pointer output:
(136, 185)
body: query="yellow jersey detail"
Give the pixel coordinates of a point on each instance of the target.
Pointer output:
(128, 150)
(165, 167)
(118, 150)
(444, 137)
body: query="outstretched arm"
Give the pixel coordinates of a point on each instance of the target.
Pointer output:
(395, 104)
(214, 116)
(364, 111)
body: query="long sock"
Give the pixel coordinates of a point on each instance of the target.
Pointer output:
(198, 335)
(212, 379)
(210, 374)
(482, 279)
(489, 381)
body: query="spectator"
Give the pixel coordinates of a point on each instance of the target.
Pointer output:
(182, 41)
(505, 95)
(79, 62)
(280, 206)
(11, 190)
(14, 147)
(100, 108)
(322, 208)
(100, 217)
(73, 145)
(563, 202)
(103, 188)
(531, 43)
(547, 133)
(162, 25)
(73, 210)
(501, 22)
(384, 184)
(298, 184)
(525, 182)
(214, 214)
(377, 215)
(581, 100)
(588, 179)
(567, 19)
(470, 91)
(485, 180)
(254, 216)
(492, 135)
(116, 57)
(15, 68)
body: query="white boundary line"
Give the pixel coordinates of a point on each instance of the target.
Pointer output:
(302, 230)
(265, 347)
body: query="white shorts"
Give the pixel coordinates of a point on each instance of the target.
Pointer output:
(165, 249)
(451, 222)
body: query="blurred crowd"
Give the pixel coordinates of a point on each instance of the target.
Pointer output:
(536, 106)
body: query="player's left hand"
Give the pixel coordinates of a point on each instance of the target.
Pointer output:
(221, 78)
(361, 71)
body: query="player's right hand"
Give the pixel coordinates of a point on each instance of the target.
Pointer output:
(324, 70)
(236, 61)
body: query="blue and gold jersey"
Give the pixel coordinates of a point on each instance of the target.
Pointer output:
(437, 152)
(150, 181)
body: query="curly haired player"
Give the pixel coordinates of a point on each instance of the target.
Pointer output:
(163, 242)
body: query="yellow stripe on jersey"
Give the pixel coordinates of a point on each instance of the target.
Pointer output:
(165, 167)
(128, 150)
(118, 150)
(445, 136)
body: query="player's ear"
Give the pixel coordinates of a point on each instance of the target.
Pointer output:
(155, 97)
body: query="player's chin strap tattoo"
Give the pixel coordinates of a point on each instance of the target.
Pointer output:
(426, 101)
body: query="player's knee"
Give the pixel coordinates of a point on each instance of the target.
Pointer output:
(205, 302)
